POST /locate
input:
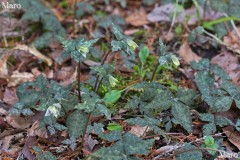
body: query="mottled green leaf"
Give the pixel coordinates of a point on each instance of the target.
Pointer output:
(131, 144)
(106, 153)
(191, 154)
(187, 96)
(222, 121)
(116, 45)
(75, 123)
(117, 32)
(217, 70)
(104, 110)
(35, 11)
(201, 65)
(112, 136)
(182, 114)
(83, 8)
(222, 104)
(209, 128)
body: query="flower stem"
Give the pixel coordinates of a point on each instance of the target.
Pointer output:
(154, 72)
(97, 84)
(95, 90)
(79, 83)
(84, 131)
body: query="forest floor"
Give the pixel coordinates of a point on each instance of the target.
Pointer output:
(138, 98)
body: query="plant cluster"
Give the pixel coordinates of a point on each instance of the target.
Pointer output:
(147, 98)
(148, 102)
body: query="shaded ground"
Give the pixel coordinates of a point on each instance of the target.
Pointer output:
(30, 46)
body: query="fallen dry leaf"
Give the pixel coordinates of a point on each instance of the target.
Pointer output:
(35, 52)
(7, 141)
(232, 114)
(35, 130)
(18, 122)
(90, 143)
(165, 12)
(130, 31)
(186, 53)
(10, 96)
(230, 63)
(70, 79)
(2, 125)
(138, 130)
(138, 18)
(233, 136)
(232, 41)
(17, 78)
(36, 72)
(167, 36)
(3, 66)
(64, 73)
(10, 25)
(30, 142)
(91, 63)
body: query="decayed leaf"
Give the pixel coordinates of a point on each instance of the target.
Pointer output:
(18, 122)
(35, 52)
(230, 64)
(90, 143)
(3, 66)
(233, 136)
(35, 130)
(232, 41)
(138, 130)
(10, 26)
(10, 96)
(165, 12)
(31, 141)
(138, 18)
(186, 53)
(17, 78)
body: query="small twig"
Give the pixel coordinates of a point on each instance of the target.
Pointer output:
(174, 17)
(178, 146)
(74, 14)
(157, 135)
(194, 149)
(234, 26)
(11, 132)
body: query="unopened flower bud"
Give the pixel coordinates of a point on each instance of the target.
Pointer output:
(132, 44)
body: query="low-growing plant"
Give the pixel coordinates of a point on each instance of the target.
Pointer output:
(144, 100)
(36, 12)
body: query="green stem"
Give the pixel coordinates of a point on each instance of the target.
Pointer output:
(95, 90)
(97, 84)
(85, 130)
(154, 72)
(79, 83)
